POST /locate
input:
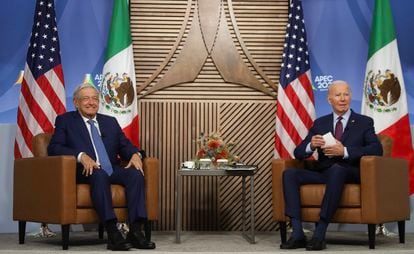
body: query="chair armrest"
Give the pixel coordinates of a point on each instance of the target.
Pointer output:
(278, 200)
(151, 172)
(44, 189)
(384, 189)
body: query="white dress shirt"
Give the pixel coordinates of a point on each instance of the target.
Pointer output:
(85, 120)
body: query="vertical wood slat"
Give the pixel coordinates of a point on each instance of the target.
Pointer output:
(172, 119)
(180, 125)
(209, 203)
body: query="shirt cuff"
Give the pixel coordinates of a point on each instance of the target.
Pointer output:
(346, 155)
(308, 149)
(79, 157)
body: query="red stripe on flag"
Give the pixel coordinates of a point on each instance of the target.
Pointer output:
(59, 73)
(50, 94)
(299, 108)
(307, 86)
(131, 131)
(24, 129)
(36, 110)
(280, 148)
(295, 89)
(35, 113)
(402, 148)
(17, 153)
(288, 125)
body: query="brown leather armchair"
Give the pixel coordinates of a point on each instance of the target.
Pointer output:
(382, 196)
(45, 190)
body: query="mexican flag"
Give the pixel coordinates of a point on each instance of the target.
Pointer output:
(118, 87)
(384, 97)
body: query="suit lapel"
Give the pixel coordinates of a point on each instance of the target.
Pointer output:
(348, 128)
(103, 129)
(327, 125)
(84, 133)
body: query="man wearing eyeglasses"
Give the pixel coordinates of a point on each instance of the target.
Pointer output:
(98, 143)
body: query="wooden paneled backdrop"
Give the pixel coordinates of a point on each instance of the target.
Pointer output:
(208, 66)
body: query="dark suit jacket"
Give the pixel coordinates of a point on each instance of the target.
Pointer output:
(359, 138)
(72, 137)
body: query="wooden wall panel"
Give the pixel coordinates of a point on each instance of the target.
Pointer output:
(251, 126)
(195, 77)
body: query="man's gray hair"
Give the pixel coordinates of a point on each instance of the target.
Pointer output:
(82, 86)
(335, 82)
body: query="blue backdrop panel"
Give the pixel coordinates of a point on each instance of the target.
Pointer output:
(83, 28)
(338, 35)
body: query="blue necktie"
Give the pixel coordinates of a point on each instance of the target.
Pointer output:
(100, 149)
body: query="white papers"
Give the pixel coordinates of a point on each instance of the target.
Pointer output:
(329, 139)
(237, 168)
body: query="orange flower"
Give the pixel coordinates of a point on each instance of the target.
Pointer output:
(213, 147)
(223, 154)
(201, 153)
(213, 144)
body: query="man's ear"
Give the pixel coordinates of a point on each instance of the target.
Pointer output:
(329, 100)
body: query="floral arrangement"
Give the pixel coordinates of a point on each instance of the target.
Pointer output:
(215, 148)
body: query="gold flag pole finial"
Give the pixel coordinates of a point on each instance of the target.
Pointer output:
(19, 79)
(88, 79)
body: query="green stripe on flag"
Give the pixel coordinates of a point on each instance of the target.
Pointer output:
(119, 33)
(382, 31)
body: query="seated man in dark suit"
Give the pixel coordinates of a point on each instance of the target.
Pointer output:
(98, 143)
(337, 163)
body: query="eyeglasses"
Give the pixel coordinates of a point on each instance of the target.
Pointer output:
(87, 98)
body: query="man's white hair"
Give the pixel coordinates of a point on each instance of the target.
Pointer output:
(337, 82)
(82, 86)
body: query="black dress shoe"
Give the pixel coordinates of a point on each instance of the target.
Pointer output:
(117, 242)
(138, 240)
(316, 244)
(293, 244)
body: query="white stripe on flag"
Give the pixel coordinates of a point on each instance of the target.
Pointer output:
(276, 155)
(30, 120)
(57, 86)
(291, 113)
(24, 149)
(39, 95)
(284, 137)
(304, 96)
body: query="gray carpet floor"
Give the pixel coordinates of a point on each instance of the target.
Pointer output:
(207, 242)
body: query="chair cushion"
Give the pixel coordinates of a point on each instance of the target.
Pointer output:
(84, 198)
(312, 195)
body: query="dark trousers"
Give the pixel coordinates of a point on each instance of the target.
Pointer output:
(334, 177)
(133, 181)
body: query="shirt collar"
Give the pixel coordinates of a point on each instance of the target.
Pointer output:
(345, 116)
(85, 119)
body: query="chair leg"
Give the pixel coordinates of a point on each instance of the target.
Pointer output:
(371, 235)
(282, 228)
(147, 230)
(401, 231)
(100, 230)
(65, 236)
(22, 231)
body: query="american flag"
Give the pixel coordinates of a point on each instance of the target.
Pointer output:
(295, 103)
(42, 95)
